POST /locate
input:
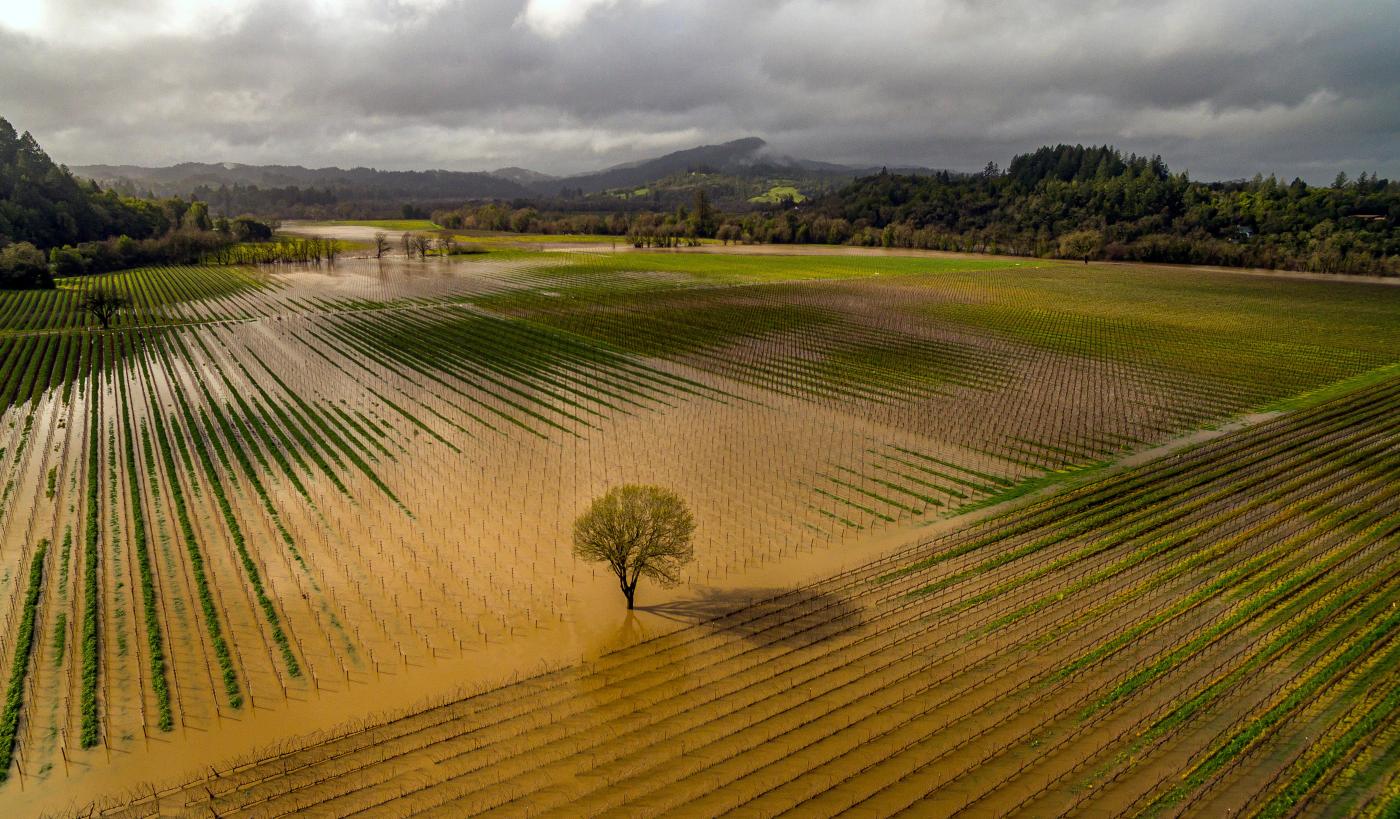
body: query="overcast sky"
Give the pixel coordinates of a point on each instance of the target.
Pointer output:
(1223, 88)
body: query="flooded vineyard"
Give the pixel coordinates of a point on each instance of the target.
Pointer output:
(280, 500)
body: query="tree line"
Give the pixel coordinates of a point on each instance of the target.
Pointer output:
(682, 226)
(283, 250)
(1066, 201)
(196, 239)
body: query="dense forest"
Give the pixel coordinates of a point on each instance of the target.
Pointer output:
(53, 223)
(1119, 208)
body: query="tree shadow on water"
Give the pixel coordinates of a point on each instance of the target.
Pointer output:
(765, 616)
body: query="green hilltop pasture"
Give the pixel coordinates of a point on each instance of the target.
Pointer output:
(778, 193)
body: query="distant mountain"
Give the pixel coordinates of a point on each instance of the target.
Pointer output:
(523, 176)
(737, 174)
(356, 183)
(746, 158)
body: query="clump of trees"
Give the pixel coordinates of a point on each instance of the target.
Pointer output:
(246, 228)
(681, 227)
(286, 250)
(1081, 244)
(638, 531)
(424, 245)
(22, 265)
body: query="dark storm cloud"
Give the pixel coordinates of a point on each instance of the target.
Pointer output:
(1224, 89)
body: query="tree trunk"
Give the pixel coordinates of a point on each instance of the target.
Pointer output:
(631, 592)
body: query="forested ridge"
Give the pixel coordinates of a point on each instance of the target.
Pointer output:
(1134, 207)
(51, 222)
(45, 205)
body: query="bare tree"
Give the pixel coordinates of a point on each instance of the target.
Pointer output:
(421, 245)
(406, 242)
(381, 245)
(445, 245)
(639, 531)
(104, 304)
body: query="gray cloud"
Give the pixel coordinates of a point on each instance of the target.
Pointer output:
(1222, 89)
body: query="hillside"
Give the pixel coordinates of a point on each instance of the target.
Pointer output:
(52, 223)
(183, 178)
(42, 203)
(738, 155)
(523, 176)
